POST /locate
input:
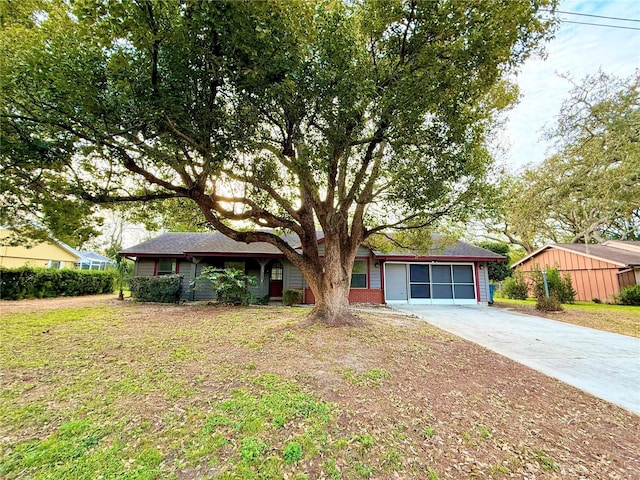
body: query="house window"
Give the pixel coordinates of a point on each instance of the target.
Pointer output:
(56, 264)
(166, 266)
(276, 272)
(359, 274)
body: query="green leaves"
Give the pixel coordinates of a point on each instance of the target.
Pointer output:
(355, 116)
(230, 284)
(589, 189)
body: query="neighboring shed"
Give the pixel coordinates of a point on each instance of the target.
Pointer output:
(597, 271)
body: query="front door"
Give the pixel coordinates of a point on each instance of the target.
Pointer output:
(275, 281)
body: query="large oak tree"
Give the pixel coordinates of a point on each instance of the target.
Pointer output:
(352, 117)
(588, 190)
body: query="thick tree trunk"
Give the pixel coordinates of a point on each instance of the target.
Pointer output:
(332, 298)
(329, 277)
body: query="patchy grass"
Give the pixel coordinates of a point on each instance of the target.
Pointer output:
(621, 319)
(183, 392)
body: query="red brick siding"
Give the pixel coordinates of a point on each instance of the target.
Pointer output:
(356, 295)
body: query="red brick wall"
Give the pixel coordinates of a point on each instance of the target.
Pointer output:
(356, 295)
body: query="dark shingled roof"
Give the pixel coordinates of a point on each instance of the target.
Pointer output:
(178, 244)
(605, 252)
(442, 247)
(182, 243)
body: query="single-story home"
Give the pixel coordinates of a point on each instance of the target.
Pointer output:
(49, 254)
(597, 271)
(450, 273)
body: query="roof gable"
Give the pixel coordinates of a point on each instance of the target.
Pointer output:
(609, 252)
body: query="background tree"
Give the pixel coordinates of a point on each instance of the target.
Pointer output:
(498, 271)
(351, 117)
(589, 190)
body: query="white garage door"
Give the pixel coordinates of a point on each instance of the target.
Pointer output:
(430, 283)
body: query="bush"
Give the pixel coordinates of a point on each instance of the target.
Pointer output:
(515, 287)
(27, 282)
(291, 297)
(629, 295)
(551, 304)
(230, 284)
(163, 289)
(560, 286)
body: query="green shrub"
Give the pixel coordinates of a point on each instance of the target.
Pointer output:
(27, 282)
(264, 300)
(515, 287)
(560, 286)
(163, 288)
(230, 284)
(291, 297)
(550, 304)
(629, 295)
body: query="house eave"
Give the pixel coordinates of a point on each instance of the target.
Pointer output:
(436, 258)
(234, 254)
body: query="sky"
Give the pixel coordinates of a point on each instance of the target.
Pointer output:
(577, 51)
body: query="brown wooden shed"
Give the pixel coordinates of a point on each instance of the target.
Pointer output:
(597, 271)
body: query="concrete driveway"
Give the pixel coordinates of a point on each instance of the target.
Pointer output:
(604, 364)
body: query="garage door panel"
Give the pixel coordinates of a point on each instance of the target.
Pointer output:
(442, 291)
(441, 273)
(419, 273)
(464, 291)
(396, 282)
(463, 274)
(420, 291)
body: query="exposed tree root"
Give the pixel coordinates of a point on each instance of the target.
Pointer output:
(322, 316)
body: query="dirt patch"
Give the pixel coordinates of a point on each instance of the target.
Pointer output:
(431, 403)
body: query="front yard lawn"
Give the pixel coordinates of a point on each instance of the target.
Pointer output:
(622, 319)
(116, 390)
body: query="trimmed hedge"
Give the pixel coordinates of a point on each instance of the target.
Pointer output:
(27, 282)
(163, 288)
(292, 297)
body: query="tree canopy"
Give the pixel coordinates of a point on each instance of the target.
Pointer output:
(354, 117)
(589, 188)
